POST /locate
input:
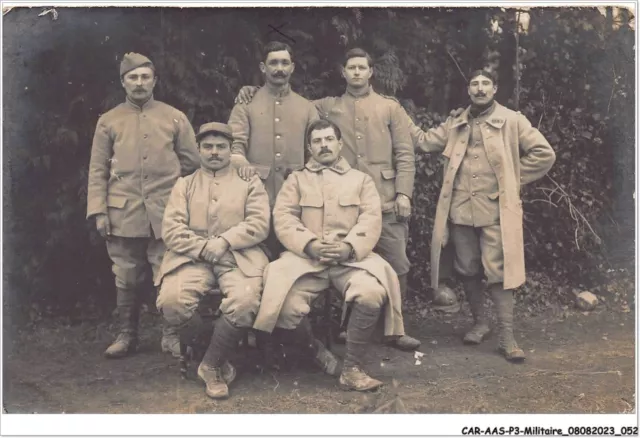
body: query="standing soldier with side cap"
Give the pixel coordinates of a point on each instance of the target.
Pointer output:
(140, 148)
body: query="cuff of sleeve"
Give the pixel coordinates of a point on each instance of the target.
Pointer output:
(228, 236)
(196, 253)
(357, 251)
(300, 243)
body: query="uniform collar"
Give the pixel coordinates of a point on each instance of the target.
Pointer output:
(282, 93)
(496, 118)
(341, 166)
(367, 93)
(146, 105)
(217, 174)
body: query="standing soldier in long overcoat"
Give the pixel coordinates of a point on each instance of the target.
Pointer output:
(140, 148)
(490, 152)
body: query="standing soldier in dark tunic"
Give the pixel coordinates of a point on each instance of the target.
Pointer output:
(140, 148)
(490, 152)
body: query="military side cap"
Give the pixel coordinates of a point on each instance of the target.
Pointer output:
(133, 60)
(214, 128)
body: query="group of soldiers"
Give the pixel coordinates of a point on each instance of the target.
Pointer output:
(291, 197)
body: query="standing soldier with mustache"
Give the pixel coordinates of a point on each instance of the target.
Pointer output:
(490, 152)
(140, 148)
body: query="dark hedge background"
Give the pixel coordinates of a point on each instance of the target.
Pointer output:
(569, 70)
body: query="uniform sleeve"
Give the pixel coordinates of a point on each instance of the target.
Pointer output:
(403, 152)
(433, 140)
(239, 122)
(176, 233)
(364, 236)
(186, 147)
(286, 218)
(537, 155)
(324, 105)
(99, 168)
(255, 226)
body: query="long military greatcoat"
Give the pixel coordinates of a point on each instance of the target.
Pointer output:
(518, 154)
(333, 204)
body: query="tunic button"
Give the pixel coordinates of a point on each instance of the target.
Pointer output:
(277, 169)
(360, 155)
(145, 136)
(357, 119)
(475, 157)
(359, 137)
(477, 123)
(144, 157)
(278, 154)
(474, 176)
(278, 137)
(473, 193)
(277, 119)
(277, 102)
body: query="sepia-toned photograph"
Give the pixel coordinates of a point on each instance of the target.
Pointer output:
(423, 209)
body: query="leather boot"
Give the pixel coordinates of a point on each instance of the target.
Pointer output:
(127, 340)
(215, 369)
(362, 324)
(474, 290)
(504, 302)
(404, 342)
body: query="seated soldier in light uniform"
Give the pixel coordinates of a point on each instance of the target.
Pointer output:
(212, 225)
(328, 217)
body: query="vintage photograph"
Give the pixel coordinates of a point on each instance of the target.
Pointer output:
(319, 210)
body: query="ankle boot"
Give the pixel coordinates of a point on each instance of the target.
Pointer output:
(474, 290)
(504, 302)
(362, 324)
(127, 340)
(404, 342)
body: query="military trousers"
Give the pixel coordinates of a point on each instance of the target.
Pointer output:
(478, 250)
(355, 285)
(392, 245)
(182, 290)
(130, 256)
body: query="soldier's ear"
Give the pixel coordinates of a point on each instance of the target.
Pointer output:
(263, 67)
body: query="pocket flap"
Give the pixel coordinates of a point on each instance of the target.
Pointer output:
(116, 201)
(349, 200)
(388, 173)
(493, 196)
(311, 201)
(263, 171)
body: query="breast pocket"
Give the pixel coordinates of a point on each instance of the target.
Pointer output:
(350, 208)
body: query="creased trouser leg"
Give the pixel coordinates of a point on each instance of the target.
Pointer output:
(362, 324)
(223, 342)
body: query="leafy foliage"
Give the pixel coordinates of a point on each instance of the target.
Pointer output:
(575, 82)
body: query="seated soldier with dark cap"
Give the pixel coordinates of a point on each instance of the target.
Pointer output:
(212, 226)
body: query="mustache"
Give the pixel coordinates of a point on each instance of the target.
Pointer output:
(324, 150)
(280, 74)
(481, 94)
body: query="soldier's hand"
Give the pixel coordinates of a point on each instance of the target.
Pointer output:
(314, 249)
(103, 225)
(247, 172)
(456, 112)
(338, 252)
(245, 95)
(215, 249)
(402, 207)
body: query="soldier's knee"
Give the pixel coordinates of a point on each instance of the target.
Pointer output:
(128, 277)
(173, 309)
(371, 293)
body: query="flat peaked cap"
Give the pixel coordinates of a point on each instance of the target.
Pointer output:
(132, 61)
(214, 128)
